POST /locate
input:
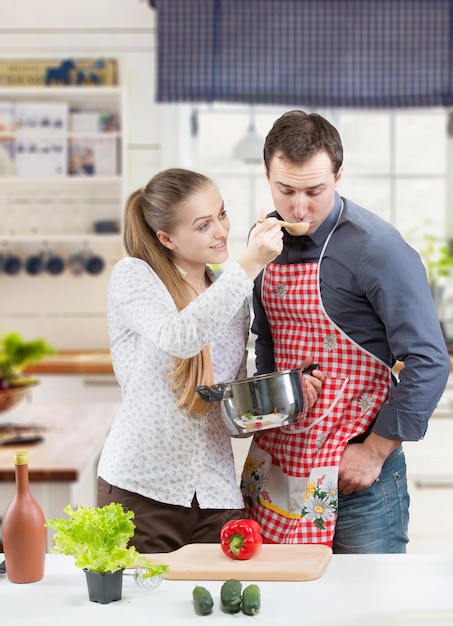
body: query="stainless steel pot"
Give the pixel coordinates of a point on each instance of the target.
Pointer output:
(260, 402)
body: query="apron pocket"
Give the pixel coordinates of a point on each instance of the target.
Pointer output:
(329, 404)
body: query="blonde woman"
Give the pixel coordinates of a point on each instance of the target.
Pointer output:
(173, 327)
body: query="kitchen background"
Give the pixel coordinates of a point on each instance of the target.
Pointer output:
(398, 163)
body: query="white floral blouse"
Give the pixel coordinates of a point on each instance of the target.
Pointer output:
(154, 448)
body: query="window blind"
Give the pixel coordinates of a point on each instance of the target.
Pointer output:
(325, 53)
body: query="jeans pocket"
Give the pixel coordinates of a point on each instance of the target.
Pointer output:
(375, 520)
(400, 478)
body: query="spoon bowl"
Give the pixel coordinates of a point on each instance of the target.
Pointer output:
(294, 228)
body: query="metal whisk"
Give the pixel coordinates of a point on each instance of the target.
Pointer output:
(150, 582)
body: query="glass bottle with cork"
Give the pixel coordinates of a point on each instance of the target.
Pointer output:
(23, 530)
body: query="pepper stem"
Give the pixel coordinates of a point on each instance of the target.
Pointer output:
(236, 543)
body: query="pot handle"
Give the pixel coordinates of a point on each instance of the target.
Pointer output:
(209, 394)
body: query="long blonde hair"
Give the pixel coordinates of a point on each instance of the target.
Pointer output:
(154, 207)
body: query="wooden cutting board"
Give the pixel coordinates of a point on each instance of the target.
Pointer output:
(285, 562)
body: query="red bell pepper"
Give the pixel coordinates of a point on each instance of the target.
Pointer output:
(241, 539)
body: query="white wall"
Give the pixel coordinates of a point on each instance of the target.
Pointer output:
(69, 15)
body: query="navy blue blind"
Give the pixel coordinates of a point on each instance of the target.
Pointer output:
(326, 53)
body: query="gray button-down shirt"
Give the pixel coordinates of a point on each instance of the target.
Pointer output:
(374, 287)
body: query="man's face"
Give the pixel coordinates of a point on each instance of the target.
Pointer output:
(304, 192)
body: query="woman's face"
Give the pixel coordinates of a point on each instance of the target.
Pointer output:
(201, 234)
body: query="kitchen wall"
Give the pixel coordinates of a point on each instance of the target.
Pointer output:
(71, 311)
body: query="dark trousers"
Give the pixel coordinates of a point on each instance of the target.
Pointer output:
(166, 527)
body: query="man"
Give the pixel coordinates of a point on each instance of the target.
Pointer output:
(354, 296)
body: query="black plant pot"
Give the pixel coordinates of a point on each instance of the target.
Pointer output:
(104, 588)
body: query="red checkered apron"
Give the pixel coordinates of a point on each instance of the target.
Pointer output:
(290, 478)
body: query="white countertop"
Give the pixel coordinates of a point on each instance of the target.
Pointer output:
(354, 590)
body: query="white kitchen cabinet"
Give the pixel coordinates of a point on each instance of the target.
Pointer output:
(67, 388)
(430, 480)
(431, 517)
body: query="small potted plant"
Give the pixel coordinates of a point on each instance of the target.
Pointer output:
(97, 538)
(437, 256)
(15, 355)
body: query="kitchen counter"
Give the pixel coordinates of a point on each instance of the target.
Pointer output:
(92, 362)
(377, 590)
(62, 467)
(74, 362)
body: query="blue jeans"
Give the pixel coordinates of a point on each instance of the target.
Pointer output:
(375, 520)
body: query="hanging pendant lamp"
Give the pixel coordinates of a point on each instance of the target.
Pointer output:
(249, 148)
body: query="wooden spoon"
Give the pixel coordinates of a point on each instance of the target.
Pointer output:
(294, 228)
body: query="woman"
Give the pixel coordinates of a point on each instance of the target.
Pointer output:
(173, 327)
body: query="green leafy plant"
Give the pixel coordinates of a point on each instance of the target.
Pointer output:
(16, 354)
(97, 538)
(437, 255)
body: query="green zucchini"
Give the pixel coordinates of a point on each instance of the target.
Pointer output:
(231, 595)
(251, 600)
(202, 600)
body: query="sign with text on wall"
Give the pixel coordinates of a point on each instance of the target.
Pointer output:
(68, 72)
